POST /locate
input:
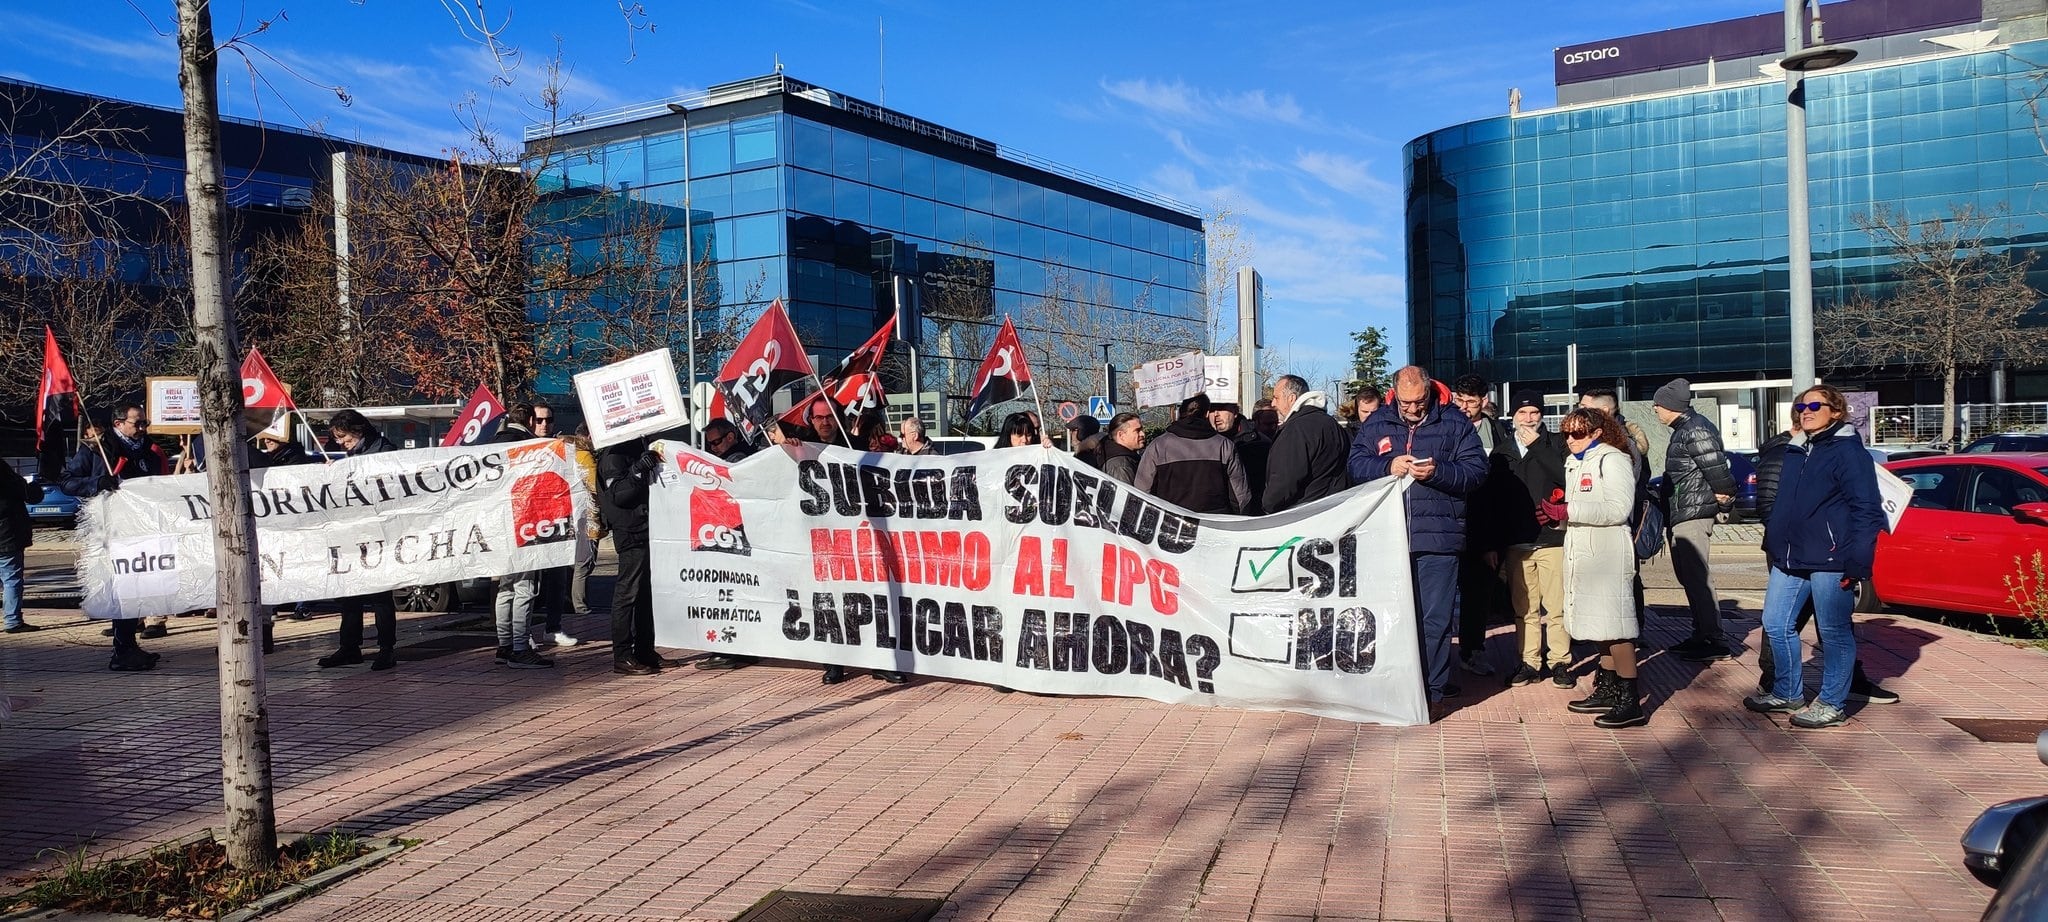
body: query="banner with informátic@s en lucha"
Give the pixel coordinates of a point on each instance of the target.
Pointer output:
(371, 523)
(1023, 568)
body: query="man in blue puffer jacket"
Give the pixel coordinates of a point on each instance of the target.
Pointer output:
(1414, 435)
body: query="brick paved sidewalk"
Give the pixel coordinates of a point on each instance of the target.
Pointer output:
(575, 794)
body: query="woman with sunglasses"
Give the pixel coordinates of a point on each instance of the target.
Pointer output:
(1819, 540)
(1600, 561)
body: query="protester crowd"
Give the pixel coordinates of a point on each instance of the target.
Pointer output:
(1506, 519)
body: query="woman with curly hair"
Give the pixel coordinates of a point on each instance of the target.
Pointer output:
(1599, 561)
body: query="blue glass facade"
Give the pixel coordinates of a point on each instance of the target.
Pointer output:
(826, 208)
(1651, 231)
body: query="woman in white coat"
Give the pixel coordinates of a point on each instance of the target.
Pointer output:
(1600, 561)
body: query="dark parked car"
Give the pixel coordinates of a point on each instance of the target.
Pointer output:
(2003, 849)
(1743, 466)
(2008, 441)
(480, 592)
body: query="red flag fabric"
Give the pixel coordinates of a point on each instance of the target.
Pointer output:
(850, 398)
(1003, 374)
(865, 359)
(478, 420)
(769, 359)
(57, 404)
(260, 388)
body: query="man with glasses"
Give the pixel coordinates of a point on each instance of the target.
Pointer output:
(723, 439)
(122, 453)
(823, 423)
(1419, 436)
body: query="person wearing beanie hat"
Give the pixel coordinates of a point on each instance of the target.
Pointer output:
(1253, 447)
(1191, 466)
(1084, 439)
(1697, 483)
(1675, 396)
(1535, 556)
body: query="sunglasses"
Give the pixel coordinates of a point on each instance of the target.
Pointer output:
(1578, 433)
(1814, 407)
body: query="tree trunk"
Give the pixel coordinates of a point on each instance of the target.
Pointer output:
(251, 837)
(1948, 405)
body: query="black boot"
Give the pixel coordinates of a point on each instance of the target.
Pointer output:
(834, 675)
(1628, 708)
(1603, 697)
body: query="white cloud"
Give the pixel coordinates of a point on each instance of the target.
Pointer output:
(1345, 174)
(1177, 101)
(144, 55)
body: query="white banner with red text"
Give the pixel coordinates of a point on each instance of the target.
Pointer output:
(371, 523)
(1022, 567)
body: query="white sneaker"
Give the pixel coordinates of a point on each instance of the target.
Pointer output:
(565, 640)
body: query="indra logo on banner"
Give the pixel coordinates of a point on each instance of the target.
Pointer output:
(145, 567)
(543, 510)
(715, 523)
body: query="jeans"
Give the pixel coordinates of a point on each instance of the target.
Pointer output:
(514, 605)
(1690, 543)
(579, 584)
(1766, 667)
(1436, 612)
(13, 567)
(1783, 597)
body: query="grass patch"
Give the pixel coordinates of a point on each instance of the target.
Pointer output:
(182, 881)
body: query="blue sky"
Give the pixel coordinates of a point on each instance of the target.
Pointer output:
(1290, 115)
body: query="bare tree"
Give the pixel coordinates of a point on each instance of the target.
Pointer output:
(251, 839)
(1959, 302)
(81, 287)
(1228, 248)
(45, 200)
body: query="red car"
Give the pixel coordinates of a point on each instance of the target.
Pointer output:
(1971, 517)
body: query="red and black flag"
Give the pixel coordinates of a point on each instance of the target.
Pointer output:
(769, 359)
(1003, 374)
(865, 359)
(478, 420)
(57, 408)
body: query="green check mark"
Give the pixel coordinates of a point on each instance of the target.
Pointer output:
(1259, 569)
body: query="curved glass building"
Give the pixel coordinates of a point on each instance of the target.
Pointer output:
(1645, 219)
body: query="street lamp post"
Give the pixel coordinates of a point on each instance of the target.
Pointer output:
(689, 271)
(1798, 60)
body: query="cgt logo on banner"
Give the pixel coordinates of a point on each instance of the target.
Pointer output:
(1020, 567)
(371, 523)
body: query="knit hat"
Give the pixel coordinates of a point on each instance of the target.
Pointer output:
(1526, 399)
(1084, 426)
(1676, 396)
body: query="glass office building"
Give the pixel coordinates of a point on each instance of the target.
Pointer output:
(840, 208)
(1649, 228)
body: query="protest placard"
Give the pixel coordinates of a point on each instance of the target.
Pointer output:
(631, 398)
(1169, 381)
(1023, 568)
(173, 405)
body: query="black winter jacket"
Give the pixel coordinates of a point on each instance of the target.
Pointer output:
(1307, 462)
(1541, 474)
(1695, 469)
(622, 492)
(1119, 462)
(16, 531)
(82, 475)
(1194, 467)
(1493, 513)
(1770, 459)
(1253, 451)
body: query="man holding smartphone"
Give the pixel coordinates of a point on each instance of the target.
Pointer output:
(1418, 436)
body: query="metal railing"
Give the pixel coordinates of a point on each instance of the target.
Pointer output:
(1921, 423)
